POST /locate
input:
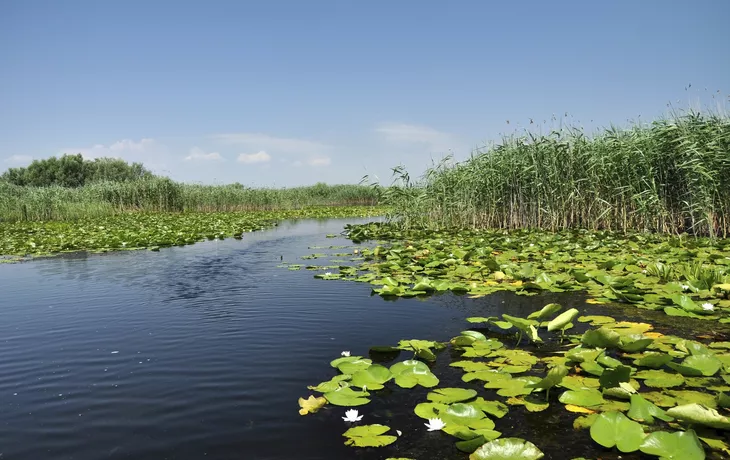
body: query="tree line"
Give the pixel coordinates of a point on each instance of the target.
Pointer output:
(74, 171)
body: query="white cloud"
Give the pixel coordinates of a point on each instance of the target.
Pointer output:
(272, 143)
(18, 160)
(149, 152)
(199, 154)
(416, 134)
(258, 157)
(319, 161)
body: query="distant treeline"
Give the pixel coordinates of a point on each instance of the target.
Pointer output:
(70, 187)
(73, 171)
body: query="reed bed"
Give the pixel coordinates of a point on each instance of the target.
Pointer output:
(156, 194)
(670, 176)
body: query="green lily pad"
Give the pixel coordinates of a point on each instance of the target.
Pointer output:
(333, 384)
(546, 312)
(412, 372)
(428, 410)
(553, 377)
(462, 414)
(681, 445)
(586, 397)
(351, 364)
(495, 408)
(653, 360)
(372, 378)
(450, 395)
(613, 377)
(601, 338)
(615, 429)
(634, 342)
(507, 449)
(659, 379)
(644, 411)
(368, 436)
(562, 320)
(707, 364)
(347, 397)
(700, 415)
(596, 320)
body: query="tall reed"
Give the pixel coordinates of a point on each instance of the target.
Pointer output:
(670, 176)
(164, 195)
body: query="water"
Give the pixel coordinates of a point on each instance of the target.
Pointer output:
(202, 352)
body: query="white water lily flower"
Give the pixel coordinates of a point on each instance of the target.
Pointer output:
(398, 432)
(327, 273)
(707, 306)
(643, 271)
(685, 287)
(435, 424)
(345, 353)
(352, 416)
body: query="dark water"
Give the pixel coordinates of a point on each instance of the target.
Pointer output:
(203, 351)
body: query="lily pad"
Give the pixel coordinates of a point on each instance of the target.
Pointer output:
(587, 397)
(450, 395)
(681, 445)
(368, 436)
(351, 364)
(507, 449)
(311, 404)
(644, 411)
(347, 397)
(601, 338)
(659, 379)
(562, 320)
(700, 415)
(412, 372)
(372, 378)
(615, 429)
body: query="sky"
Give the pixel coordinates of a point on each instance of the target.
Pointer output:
(284, 93)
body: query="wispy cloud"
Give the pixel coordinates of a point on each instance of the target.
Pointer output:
(404, 133)
(18, 160)
(319, 161)
(150, 152)
(272, 143)
(258, 157)
(198, 154)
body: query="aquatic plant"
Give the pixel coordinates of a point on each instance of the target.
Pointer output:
(670, 176)
(654, 407)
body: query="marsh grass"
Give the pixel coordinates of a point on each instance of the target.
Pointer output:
(164, 195)
(671, 176)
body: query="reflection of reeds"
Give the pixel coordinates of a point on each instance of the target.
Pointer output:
(162, 194)
(672, 176)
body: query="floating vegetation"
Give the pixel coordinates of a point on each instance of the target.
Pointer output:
(152, 231)
(631, 389)
(681, 277)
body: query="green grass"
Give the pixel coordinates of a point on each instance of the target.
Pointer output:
(671, 176)
(164, 195)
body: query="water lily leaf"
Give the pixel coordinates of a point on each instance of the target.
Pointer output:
(507, 449)
(716, 444)
(690, 396)
(700, 415)
(487, 375)
(601, 338)
(373, 377)
(562, 320)
(331, 385)
(347, 397)
(634, 342)
(644, 411)
(609, 362)
(681, 445)
(474, 335)
(481, 319)
(462, 414)
(615, 429)
(351, 364)
(411, 377)
(586, 397)
(584, 422)
(596, 320)
(580, 354)
(624, 390)
(530, 405)
(653, 360)
(471, 445)
(723, 400)
(553, 377)
(495, 408)
(368, 436)
(311, 404)
(707, 364)
(428, 410)
(592, 368)
(613, 377)
(578, 382)
(686, 303)
(659, 379)
(450, 395)
(513, 387)
(546, 312)
(516, 357)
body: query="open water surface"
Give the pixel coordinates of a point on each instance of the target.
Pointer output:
(202, 352)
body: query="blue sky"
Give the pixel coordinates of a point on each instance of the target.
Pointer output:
(293, 92)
